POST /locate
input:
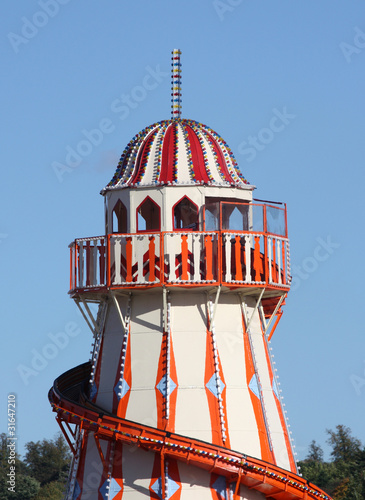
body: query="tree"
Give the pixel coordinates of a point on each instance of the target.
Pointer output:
(48, 461)
(344, 446)
(26, 487)
(315, 453)
(344, 476)
(52, 491)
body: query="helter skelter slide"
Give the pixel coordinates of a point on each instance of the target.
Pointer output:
(180, 399)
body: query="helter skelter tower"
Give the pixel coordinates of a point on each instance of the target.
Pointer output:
(180, 399)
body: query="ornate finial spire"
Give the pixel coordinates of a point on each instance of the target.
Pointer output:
(176, 84)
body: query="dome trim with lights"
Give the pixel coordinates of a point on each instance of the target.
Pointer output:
(177, 151)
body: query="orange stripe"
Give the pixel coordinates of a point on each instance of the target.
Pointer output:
(266, 453)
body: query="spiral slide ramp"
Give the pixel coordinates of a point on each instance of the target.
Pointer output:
(208, 465)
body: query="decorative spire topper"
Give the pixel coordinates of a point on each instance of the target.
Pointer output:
(176, 84)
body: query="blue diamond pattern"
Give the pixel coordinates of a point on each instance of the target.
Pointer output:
(77, 491)
(212, 385)
(162, 386)
(125, 389)
(113, 490)
(220, 487)
(172, 487)
(253, 385)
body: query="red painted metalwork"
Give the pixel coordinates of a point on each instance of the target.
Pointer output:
(268, 479)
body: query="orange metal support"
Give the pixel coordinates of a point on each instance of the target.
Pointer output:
(278, 316)
(102, 458)
(237, 251)
(151, 259)
(59, 421)
(128, 251)
(236, 494)
(208, 257)
(184, 257)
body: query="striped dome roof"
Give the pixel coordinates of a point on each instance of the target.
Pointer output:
(177, 152)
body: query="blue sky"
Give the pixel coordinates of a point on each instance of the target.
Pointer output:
(67, 68)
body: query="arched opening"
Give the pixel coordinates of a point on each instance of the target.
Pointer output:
(186, 215)
(119, 214)
(148, 216)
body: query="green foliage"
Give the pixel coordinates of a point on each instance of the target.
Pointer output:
(26, 487)
(41, 476)
(343, 478)
(48, 461)
(51, 491)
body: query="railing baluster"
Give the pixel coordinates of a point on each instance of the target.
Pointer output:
(95, 262)
(196, 253)
(283, 261)
(274, 260)
(279, 263)
(117, 259)
(248, 258)
(269, 240)
(81, 265)
(102, 262)
(228, 254)
(138, 246)
(237, 251)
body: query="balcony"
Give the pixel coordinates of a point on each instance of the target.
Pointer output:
(227, 257)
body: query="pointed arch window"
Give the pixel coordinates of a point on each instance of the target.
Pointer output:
(186, 215)
(148, 216)
(119, 214)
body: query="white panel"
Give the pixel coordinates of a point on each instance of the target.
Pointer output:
(241, 419)
(189, 342)
(247, 494)
(93, 468)
(137, 472)
(110, 356)
(194, 483)
(273, 418)
(183, 174)
(212, 164)
(145, 344)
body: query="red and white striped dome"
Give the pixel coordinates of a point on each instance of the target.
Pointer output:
(177, 152)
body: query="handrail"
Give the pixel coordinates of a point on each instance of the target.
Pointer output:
(180, 258)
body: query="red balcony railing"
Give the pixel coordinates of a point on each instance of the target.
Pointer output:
(231, 258)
